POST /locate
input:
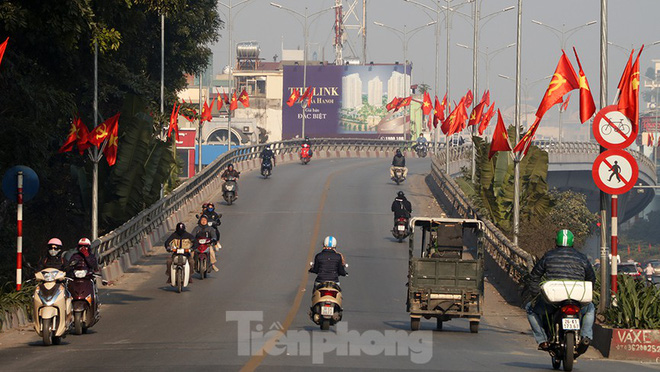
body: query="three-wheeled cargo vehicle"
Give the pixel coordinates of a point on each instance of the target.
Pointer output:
(445, 270)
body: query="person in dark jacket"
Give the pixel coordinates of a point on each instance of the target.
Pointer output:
(180, 238)
(53, 257)
(84, 255)
(562, 263)
(329, 264)
(401, 206)
(204, 230)
(399, 161)
(213, 219)
(231, 172)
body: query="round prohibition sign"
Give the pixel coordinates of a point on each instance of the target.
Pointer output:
(612, 129)
(615, 171)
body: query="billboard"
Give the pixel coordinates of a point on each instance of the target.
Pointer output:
(349, 101)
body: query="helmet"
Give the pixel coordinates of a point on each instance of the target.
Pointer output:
(306, 138)
(180, 227)
(564, 238)
(84, 242)
(400, 194)
(398, 151)
(330, 242)
(268, 146)
(54, 247)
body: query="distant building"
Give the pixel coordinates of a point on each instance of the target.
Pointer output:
(395, 86)
(375, 92)
(351, 91)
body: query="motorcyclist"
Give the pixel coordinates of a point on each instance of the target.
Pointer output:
(401, 206)
(213, 217)
(267, 154)
(231, 172)
(180, 238)
(562, 263)
(329, 264)
(421, 142)
(399, 161)
(204, 230)
(307, 143)
(84, 255)
(53, 257)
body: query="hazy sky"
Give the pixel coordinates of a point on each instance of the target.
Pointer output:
(631, 22)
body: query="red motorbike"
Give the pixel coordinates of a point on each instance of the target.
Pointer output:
(305, 154)
(202, 255)
(84, 298)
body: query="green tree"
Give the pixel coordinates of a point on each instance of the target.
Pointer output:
(423, 87)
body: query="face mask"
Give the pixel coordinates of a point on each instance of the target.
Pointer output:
(84, 251)
(210, 209)
(53, 252)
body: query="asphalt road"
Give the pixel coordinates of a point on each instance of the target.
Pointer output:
(229, 321)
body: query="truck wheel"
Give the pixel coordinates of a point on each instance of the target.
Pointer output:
(439, 324)
(474, 327)
(414, 323)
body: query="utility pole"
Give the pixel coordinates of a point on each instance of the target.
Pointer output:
(603, 196)
(516, 159)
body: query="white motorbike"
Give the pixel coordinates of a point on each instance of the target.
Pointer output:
(180, 270)
(53, 312)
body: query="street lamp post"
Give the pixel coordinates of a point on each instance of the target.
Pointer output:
(563, 36)
(305, 25)
(487, 58)
(526, 85)
(404, 39)
(230, 26)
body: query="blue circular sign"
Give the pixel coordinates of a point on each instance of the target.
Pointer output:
(10, 183)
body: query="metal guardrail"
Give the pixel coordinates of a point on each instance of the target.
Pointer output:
(514, 261)
(117, 242)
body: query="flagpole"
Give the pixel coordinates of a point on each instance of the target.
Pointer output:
(447, 83)
(95, 151)
(199, 137)
(231, 80)
(475, 55)
(603, 197)
(516, 160)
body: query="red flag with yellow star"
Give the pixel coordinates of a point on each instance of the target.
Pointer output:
(500, 140)
(427, 105)
(293, 98)
(206, 112)
(563, 81)
(587, 105)
(110, 150)
(244, 99)
(392, 104)
(233, 104)
(439, 110)
(486, 119)
(629, 96)
(469, 98)
(78, 133)
(102, 131)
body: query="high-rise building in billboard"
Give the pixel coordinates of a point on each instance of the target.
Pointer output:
(375, 92)
(395, 86)
(351, 97)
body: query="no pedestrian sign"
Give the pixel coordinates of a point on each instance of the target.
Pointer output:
(615, 172)
(612, 129)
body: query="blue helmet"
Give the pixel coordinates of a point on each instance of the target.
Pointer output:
(330, 242)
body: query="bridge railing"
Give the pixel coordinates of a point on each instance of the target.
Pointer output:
(119, 241)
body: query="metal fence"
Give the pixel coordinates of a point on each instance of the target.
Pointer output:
(112, 245)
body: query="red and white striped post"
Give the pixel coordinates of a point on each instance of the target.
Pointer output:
(615, 248)
(19, 226)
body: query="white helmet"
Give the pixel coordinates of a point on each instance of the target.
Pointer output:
(330, 242)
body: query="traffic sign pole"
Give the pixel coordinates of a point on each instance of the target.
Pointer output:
(19, 238)
(615, 242)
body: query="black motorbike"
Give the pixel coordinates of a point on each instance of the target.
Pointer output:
(422, 150)
(266, 167)
(401, 230)
(229, 190)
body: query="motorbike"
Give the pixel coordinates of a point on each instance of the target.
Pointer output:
(305, 154)
(401, 230)
(266, 167)
(422, 150)
(202, 264)
(52, 311)
(180, 270)
(229, 190)
(85, 299)
(563, 324)
(326, 307)
(398, 175)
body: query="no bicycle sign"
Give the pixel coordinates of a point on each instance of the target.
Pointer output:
(612, 129)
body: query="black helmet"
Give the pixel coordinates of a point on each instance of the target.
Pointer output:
(306, 138)
(398, 151)
(400, 194)
(180, 228)
(230, 165)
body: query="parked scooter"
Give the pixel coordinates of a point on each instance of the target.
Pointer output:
(180, 270)
(202, 264)
(326, 307)
(401, 230)
(229, 190)
(563, 325)
(85, 299)
(398, 175)
(305, 154)
(52, 311)
(266, 167)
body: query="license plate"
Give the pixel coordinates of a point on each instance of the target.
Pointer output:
(401, 228)
(180, 251)
(327, 310)
(570, 324)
